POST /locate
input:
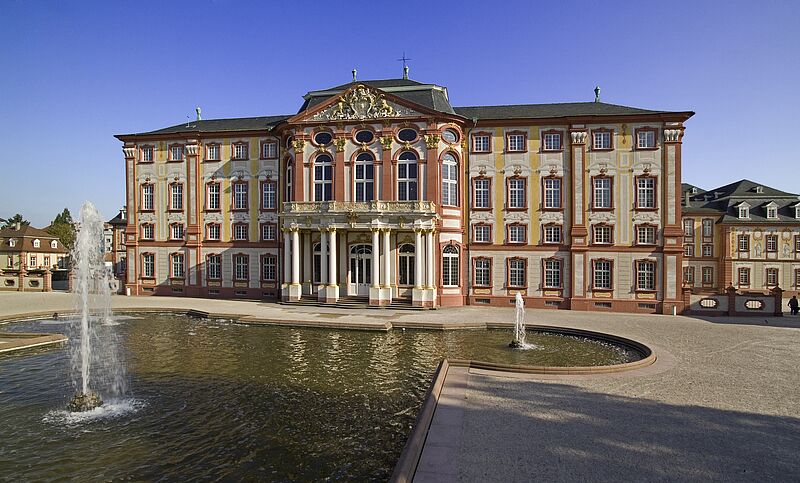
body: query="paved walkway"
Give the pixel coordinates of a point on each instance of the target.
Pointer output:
(722, 403)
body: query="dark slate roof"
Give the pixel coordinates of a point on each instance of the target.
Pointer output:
(378, 83)
(219, 125)
(724, 201)
(427, 95)
(563, 109)
(118, 220)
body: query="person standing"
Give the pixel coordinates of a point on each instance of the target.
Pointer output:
(794, 305)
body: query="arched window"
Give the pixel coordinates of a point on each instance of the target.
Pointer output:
(407, 176)
(323, 178)
(450, 266)
(318, 262)
(288, 185)
(365, 177)
(36, 243)
(405, 270)
(449, 180)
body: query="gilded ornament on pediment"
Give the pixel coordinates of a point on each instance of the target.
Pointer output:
(340, 143)
(298, 144)
(431, 140)
(386, 142)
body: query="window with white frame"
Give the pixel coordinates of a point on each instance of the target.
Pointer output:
(212, 152)
(269, 150)
(602, 234)
(688, 227)
(240, 231)
(772, 243)
(10, 261)
(33, 261)
(240, 151)
(147, 197)
(480, 143)
(645, 275)
(450, 266)
(407, 176)
(772, 212)
(176, 153)
(516, 193)
(744, 212)
(797, 277)
(148, 265)
(36, 243)
(483, 272)
(552, 233)
(797, 212)
(46, 261)
(147, 154)
(645, 235)
(552, 273)
(176, 196)
(323, 178)
(240, 195)
(269, 268)
(516, 233)
(269, 195)
(449, 180)
(365, 177)
(12, 242)
(212, 196)
(602, 275)
(772, 277)
(241, 267)
(269, 232)
(213, 231)
(516, 272)
(53, 244)
(601, 139)
(688, 275)
(177, 265)
(708, 250)
(214, 267)
(602, 193)
(287, 196)
(482, 233)
(744, 243)
(797, 243)
(708, 227)
(645, 192)
(552, 193)
(744, 277)
(516, 142)
(176, 231)
(148, 231)
(645, 139)
(481, 193)
(708, 275)
(406, 267)
(552, 142)
(688, 250)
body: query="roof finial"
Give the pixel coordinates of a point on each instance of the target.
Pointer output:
(404, 59)
(197, 110)
(405, 72)
(597, 94)
(354, 75)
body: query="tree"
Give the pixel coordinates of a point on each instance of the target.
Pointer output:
(64, 228)
(14, 220)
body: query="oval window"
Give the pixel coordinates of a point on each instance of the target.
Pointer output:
(407, 135)
(323, 138)
(364, 136)
(450, 136)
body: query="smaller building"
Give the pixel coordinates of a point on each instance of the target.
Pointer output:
(114, 241)
(29, 257)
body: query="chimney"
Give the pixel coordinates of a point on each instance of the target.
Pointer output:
(197, 110)
(122, 213)
(405, 72)
(17, 226)
(688, 198)
(597, 94)
(354, 74)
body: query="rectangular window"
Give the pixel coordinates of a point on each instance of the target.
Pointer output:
(148, 191)
(482, 233)
(744, 277)
(10, 261)
(601, 140)
(269, 195)
(46, 261)
(240, 196)
(212, 197)
(744, 212)
(33, 261)
(688, 275)
(176, 231)
(269, 268)
(269, 150)
(552, 142)
(645, 193)
(552, 273)
(646, 275)
(797, 243)
(241, 268)
(645, 235)
(176, 153)
(744, 243)
(516, 142)
(177, 265)
(480, 143)
(552, 234)
(602, 193)
(213, 232)
(688, 227)
(449, 184)
(516, 273)
(240, 231)
(269, 232)
(516, 233)
(772, 277)
(176, 197)
(147, 154)
(481, 193)
(214, 267)
(772, 243)
(240, 151)
(645, 139)
(407, 179)
(602, 235)
(450, 266)
(602, 275)
(148, 231)
(148, 265)
(708, 275)
(483, 272)
(708, 227)
(212, 152)
(797, 277)
(552, 193)
(772, 213)
(708, 250)
(516, 193)
(323, 179)
(688, 250)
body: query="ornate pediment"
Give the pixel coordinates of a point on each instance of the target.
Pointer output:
(361, 103)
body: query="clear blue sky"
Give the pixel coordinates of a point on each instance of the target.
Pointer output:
(73, 74)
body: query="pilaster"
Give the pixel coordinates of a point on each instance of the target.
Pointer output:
(671, 216)
(578, 232)
(387, 173)
(131, 232)
(338, 166)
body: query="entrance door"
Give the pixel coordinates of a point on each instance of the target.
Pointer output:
(360, 270)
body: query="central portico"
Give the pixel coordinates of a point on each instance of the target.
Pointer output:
(382, 250)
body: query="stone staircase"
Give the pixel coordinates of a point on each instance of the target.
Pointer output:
(355, 303)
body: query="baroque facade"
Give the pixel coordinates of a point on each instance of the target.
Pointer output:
(382, 190)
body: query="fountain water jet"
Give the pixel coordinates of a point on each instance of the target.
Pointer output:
(519, 325)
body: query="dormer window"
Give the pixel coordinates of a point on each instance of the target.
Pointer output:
(797, 211)
(12, 242)
(772, 212)
(36, 243)
(744, 212)
(53, 244)
(759, 189)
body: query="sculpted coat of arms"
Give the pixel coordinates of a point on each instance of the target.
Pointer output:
(361, 103)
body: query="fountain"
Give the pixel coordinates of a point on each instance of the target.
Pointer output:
(519, 325)
(95, 365)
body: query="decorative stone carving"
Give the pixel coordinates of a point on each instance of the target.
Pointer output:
(418, 207)
(298, 144)
(482, 216)
(340, 143)
(386, 142)
(130, 152)
(646, 217)
(213, 217)
(673, 135)
(606, 217)
(552, 217)
(578, 137)
(518, 216)
(191, 149)
(431, 140)
(361, 103)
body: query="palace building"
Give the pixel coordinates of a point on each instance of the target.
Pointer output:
(383, 191)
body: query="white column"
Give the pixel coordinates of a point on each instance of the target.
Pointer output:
(387, 255)
(332, 280)
(323, 254)
(418, 259)
(375, 258)
(429, 259)
(295, 256)
(287, 257)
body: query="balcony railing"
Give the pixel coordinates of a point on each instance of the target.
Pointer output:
(388, 207)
